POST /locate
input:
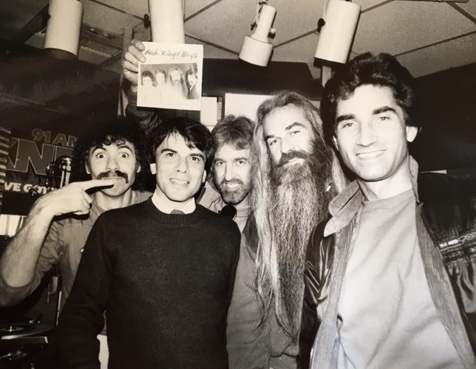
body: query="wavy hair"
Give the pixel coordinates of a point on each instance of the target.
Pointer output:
(261, 196)
(367, 69)
(193, 132)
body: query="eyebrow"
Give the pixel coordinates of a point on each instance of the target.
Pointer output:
(341, 118)
(195, 154)
(198, 155)
(120, 146)
(383, 109)
(288, 128)
(377, 111)
(167, 149)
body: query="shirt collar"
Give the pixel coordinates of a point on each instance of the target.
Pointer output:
(347, 203)
(187, 207)
(242, 209)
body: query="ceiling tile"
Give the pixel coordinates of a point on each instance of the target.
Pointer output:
(107, 19)
(401, 26)
(195, 6)
(469, 7)
(222, 25)
(134, 7)
(451, 54)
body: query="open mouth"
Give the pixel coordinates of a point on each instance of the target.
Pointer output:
(179, 182)
(370, 154)
(232, 186)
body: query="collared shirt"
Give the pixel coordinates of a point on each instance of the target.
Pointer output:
(187, 207)
(344, 209)
(344, 206)
(243, 210)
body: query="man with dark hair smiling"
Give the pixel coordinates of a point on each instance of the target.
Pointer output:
(163, 270)
(390, 278)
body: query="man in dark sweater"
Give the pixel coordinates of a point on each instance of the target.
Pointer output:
(164, 279)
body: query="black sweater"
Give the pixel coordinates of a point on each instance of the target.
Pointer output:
(166, 283)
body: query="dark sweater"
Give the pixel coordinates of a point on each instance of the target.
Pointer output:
(166, 282)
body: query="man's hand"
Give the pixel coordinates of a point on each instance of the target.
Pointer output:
(72, 198)
(130, 64)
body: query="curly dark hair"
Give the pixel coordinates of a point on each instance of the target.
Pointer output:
(115, 131)
(194, 133)
(367, 69)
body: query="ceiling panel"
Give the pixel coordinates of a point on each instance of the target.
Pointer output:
(290, 22)
(440, 57)
(134, 7)
(222, 24)
(14, 14)
(107, 19)
(367, 5)
(302, 51)
(409, 29)
(195, 6)
(469, 7)
(402, 26)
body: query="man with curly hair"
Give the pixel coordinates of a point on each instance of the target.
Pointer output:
(110, 166)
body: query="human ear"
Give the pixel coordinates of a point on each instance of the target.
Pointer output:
(334, 141)
(411, 133)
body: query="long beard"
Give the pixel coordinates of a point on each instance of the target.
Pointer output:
(300, 203)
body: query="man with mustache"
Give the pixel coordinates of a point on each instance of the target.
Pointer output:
(112, 157)
(292, 186)
(231, 168)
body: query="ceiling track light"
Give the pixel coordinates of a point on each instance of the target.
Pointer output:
(256, 48)
(166, 19)
(64, 25)
(337, 30)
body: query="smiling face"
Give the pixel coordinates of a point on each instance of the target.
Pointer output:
(179, 170)
(231, 173)
(371, 137)
(117, 160)
(288, 135)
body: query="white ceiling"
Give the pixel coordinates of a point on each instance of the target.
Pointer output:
(426, 36)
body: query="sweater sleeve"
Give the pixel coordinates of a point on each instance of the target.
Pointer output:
(82, 317)
(247, 330)
(146, 117)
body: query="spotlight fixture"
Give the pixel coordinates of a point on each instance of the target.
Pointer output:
(64, 25)
(166, 17)
(337, 31)
(257, 49)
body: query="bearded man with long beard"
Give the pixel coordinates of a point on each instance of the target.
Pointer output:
(292, 175)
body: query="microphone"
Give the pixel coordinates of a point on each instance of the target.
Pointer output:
(228, 211)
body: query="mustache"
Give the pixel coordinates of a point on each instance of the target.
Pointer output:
(234, 180)
(290, 155)
(114, 173)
